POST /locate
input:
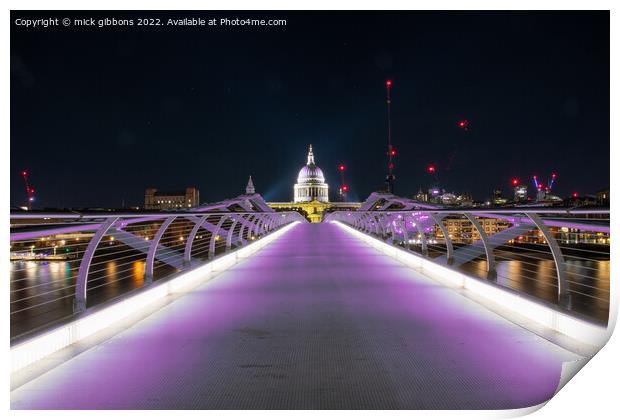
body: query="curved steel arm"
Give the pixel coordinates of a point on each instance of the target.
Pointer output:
(383, 226)
(267, 225)
(373, 225)
(422, 235)
(214, 236)
(79, 304)
(187, 255)
(438, 219)
(356, 220)
(558, 258)
(364, 222)
(403, 226)
(271, 225)
(392, 224)
(230, 233)
(260, 222)
(150, 257)
(491, 273)
(251, 222)
(360, 222)
(380, 226)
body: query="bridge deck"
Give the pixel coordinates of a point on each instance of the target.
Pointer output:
(317, 319)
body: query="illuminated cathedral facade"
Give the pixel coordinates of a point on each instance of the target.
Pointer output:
(311, 192)
(310, 184)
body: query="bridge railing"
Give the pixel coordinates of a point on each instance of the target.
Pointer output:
(558, 256)
(63, 263)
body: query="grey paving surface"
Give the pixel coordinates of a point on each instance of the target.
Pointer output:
(316, 319)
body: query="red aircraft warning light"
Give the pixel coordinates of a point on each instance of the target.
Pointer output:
(575, 195)
(341, 168)
(431, 169)
(515, 182)
(345, 188)
(464, 124)
(388, 83)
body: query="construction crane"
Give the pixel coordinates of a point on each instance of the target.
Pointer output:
(29, 190)
(391, 151)
(344, 188)
(544, 190)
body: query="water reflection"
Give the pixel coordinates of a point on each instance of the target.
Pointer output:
(588, 281)
(42, 291)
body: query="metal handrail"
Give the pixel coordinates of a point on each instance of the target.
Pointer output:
(173, 238)
(421, 228)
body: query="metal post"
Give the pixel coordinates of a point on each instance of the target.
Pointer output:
(215, 234)
(364, 223)
(403, 226)
(420, 230)
(230, 233)
(150, 257)
(246, 228)
(79, 302)
(269, 225)
(259, 225)
(438, 219)
(187, 255)
(383, 227)
(378, 229)
(355, 220)
(560, 264)
(392, 231)
(491, 273)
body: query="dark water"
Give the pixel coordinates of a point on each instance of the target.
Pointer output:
(43, 291)
(50, 285)
(588, 282)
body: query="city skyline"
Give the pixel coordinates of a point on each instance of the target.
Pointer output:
(196, 107)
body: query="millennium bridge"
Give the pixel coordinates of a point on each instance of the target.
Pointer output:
(398, 304)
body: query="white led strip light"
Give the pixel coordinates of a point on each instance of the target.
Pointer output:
(573, 327)
(46, 343)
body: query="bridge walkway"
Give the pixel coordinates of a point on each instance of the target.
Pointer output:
(315, 320)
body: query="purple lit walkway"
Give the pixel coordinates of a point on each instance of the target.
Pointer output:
(317, 319)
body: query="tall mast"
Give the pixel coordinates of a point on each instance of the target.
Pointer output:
(29, 190)
(391, 151)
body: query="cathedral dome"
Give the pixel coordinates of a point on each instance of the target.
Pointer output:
(310, 174)
(311, 182)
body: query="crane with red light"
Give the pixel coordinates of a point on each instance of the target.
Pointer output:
(543, 189)
(343, 186)
(432, 169)
(391, 151)
(464, 125)
(29, 190)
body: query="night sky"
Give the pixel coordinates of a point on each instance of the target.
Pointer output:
(99, 114)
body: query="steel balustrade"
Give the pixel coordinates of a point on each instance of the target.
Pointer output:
(171, 239)
(437, 218)
(488, 250)
(82, 277)
(514, 241)
(187, 254)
